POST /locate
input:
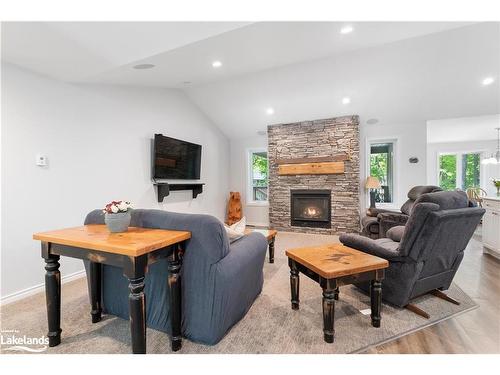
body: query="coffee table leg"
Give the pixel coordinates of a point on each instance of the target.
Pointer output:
(294, 284)
(271, 250)
(174, 283)
(95, 291)
(329, 311)
(375, 301)
(53, 295)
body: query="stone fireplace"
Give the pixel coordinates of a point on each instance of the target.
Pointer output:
(311, 208)
(292, 204)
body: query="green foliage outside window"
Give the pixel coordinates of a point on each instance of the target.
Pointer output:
(259, 176)
(259, 169)
(470, 170)
(470, 166)
(448, 172)
(378, 167)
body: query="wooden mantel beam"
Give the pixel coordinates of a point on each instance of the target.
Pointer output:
(312, 168)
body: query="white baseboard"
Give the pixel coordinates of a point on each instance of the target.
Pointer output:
(38, 288)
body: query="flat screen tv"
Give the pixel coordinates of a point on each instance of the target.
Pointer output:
(175, 159)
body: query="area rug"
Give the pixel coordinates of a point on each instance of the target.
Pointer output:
(270, 326)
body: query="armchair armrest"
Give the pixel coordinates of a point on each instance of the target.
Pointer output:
(374, 212)
(384, 248)
(388, 220)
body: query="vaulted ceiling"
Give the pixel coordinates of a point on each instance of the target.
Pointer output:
(395, 72)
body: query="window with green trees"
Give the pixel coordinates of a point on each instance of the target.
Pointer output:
(448, 172)
(459, 171)
(259, 176)
(471, 166)
(382, 166)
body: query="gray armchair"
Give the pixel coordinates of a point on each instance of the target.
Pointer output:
(425, 254)
(220, 281)
(378, 221)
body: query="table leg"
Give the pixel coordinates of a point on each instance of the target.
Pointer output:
(376, 301)
(294, 284)
(53, 297)
(95, 291)
(135, 271)
(271, 250)
(329, 292)
(336, 296)
(174, 283)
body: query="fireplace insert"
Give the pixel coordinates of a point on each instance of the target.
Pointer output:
(311, 208)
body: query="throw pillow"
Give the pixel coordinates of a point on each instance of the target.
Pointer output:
(236, 230)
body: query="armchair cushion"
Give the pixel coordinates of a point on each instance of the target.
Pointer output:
(383, 247)
(396, 233)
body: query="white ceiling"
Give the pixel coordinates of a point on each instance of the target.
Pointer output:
(403, 83)
(104, 52)
(397, 72)
(465, 129)
(78, 51)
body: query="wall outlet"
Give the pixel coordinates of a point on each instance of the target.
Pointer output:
(41, 160)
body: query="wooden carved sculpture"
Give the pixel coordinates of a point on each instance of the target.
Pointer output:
(234, 211)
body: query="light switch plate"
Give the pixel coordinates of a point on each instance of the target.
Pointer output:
(41, 160)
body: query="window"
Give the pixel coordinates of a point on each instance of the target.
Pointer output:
(459, 170)
(258, 176)
(382, 167)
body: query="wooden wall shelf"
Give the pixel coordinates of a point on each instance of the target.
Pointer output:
(332, 167)
(164, 189)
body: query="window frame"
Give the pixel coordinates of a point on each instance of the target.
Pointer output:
(395, 175)
(249, 178)
(458, 166)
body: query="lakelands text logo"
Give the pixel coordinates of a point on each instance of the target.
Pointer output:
(11, 340)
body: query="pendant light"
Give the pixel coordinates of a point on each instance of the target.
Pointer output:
(495, 157)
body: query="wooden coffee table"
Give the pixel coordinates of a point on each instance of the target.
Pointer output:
(270, 235)
(133, 251)
(332, 266)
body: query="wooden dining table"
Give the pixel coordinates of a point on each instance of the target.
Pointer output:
(133, 251)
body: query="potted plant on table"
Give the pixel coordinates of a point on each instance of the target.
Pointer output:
(496, 182)
(117, 216)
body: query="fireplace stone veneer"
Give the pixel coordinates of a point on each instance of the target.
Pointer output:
(309, 139)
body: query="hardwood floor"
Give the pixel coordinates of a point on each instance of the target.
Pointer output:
(477, 331)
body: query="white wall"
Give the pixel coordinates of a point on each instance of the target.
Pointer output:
(487, 172)
(97, 140)
(238, 180)
(411, 142)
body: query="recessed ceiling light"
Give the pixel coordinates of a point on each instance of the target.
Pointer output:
(261, 132)
(186, 82)
(143, 66)
(270, 111)
(488, 81)
(216, 64)
(346, 100)
(346, 30)
(372, 121)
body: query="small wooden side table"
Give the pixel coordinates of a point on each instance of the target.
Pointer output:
(332, 266)
(270, 235)
(133, 251)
